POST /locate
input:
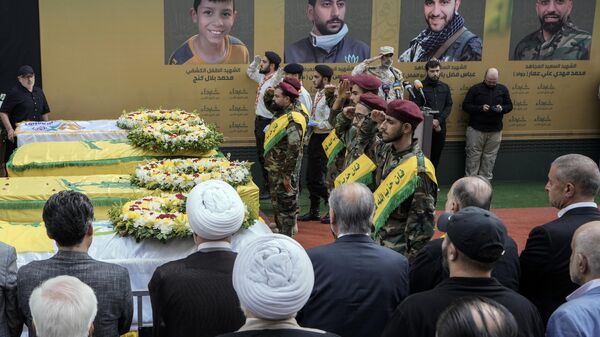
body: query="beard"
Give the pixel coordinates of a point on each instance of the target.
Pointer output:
(276, 107)
(394, 138)
(264, 71)
(322, 26)
(387, 63)
(551, 27)
(434, 79)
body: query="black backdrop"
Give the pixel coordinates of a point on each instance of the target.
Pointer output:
(19, 40)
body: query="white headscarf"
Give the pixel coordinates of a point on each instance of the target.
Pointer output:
(273, 277)
(215, 210)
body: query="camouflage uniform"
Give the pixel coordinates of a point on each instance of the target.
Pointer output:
(284, 160)
(410, 226)
(386, 75)
(570, 43)
(468, 47)
(356, 141)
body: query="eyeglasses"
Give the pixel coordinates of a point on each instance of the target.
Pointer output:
(547, 2)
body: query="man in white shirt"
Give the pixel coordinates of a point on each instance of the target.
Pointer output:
(580, 316)
(573, 182)
(320, 127)
(297, 70)
(263, 70)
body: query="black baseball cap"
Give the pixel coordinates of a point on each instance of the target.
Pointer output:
(477, 233)
(25, 70)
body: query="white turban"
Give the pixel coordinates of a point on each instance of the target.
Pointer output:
(273, 277)
(215, 210)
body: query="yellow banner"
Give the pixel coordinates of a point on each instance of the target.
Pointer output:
(359, 170)
(277, 128)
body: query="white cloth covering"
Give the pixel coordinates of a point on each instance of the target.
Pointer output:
(273, 277)
(215, 210)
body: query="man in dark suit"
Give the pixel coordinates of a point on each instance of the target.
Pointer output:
(68, 218)
(10, 324)
(426, 270)
(573, 182)
(358, 283)
(195, 296)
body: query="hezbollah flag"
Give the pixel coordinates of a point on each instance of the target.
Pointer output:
(359, 171)
(332, 146)
(397, 187)
(277, 129)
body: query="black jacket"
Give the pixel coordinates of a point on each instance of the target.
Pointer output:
(439, 98)
(427, 271)
(417, 315)
(195, 296)
(480, 95)
(545, 276)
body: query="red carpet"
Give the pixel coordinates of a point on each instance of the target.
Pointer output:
(518, 220)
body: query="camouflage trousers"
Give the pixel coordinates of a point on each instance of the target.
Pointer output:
(481, 149)
(334, 170)
(396, 236)
(285, 204)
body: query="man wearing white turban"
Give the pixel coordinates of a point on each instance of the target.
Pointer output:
(273, 278)
(195, 296)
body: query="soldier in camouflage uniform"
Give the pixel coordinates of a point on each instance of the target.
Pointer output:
(410, 226)
(558, 38)
(390, 77)
(354, 128)
(283, 161)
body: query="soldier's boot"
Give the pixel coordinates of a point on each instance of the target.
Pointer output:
(325, 219)
(287, 230)
(312, 215)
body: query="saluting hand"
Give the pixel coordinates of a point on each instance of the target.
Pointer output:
(378, 116)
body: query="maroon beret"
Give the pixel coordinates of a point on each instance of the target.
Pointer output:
(373, 102)
(288, 89)
(294, 82)
(345, 77)
(405, 111)
(366, 82)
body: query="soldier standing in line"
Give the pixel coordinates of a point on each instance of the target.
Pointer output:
(283, 152)
(558, 38)
(390, 77)
(405, 182)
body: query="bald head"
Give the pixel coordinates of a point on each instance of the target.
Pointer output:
(491, 77)
(585, 257)
(469, 191)
(351, 208)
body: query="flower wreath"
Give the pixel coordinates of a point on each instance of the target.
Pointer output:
(134, 119)
(160, 217)
(172, 136)
(182, 175)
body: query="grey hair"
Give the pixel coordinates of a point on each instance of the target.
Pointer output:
(353, 206)
(579, 170)
(63, 306)
(586, 243)
(473, 191)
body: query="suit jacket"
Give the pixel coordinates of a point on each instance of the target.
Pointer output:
(358, 284)
(110, 283)
(545, 279)
(10, 323)
(195, 296)
(427, 271)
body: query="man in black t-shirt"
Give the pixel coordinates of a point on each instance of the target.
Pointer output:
(24, 102)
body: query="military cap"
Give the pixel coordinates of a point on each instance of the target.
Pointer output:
(288, 89)
(294, 82)
(405, 111)
(324, 70)
(273, 57)
(373, 102)
(386, 50)
(475, 232)
(366, 82)
(25, 70)
(293, 68)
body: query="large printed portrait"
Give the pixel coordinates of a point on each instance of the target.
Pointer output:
(208, 31)
(327, 31)
(552, 29)
(449, 30)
